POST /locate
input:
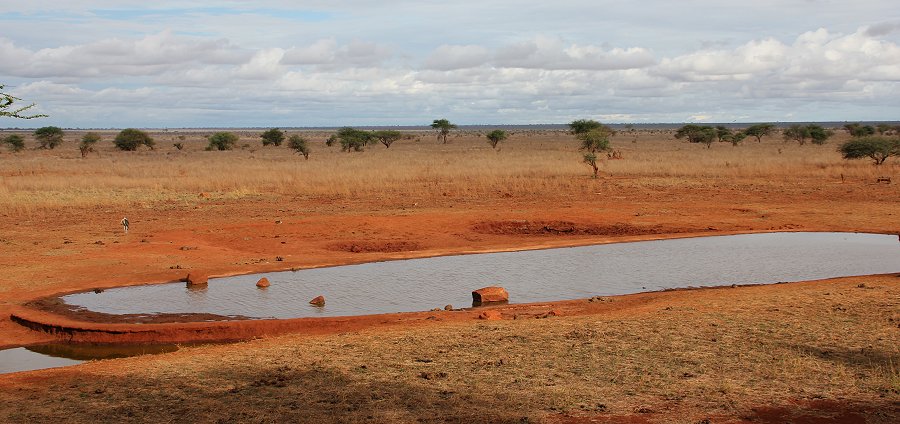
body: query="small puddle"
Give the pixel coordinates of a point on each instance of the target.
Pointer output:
(529, 276)
(61, 355)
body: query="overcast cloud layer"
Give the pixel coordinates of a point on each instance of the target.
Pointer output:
(179, 64)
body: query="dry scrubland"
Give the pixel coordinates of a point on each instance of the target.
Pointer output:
(793, 352)
(529, 162)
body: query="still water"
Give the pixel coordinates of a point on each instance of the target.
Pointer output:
(529, 276)
(61, 354)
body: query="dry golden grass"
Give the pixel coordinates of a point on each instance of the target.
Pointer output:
(532, 162)
(680, 357)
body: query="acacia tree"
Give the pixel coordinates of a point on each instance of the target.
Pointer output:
(495, 137)
(759, 131)
(800, 133)
(49, 137)
(387, 137)
(876, 148)
(582, 126)
(87, 143)
(15, 142)
(443, 128)
(723, 133)
(299, 145)
(130, 139)
(593, 141)
(859, 130)
(351, 139)
(697, 134)
(272, 136)
(7, 108)
(737, 138)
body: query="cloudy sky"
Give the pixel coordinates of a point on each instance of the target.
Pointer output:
(122, 63)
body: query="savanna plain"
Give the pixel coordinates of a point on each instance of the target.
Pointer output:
(818, 351)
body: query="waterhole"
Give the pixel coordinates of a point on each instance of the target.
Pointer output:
(529, 276)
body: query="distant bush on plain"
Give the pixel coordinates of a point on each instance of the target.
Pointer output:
(272, 136)
(49, 137)
(15, 142)
(130, 139)
(222, 141)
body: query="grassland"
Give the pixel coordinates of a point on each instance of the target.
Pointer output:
(544, 162)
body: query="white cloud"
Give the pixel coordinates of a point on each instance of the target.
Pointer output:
(552, 53)
(447, 57)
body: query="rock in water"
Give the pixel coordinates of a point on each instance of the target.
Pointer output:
(318, 301)
(489, 295)
(263, 282)
(196, 279)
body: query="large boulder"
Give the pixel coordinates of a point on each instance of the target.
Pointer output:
(263, 282)
(195, 278)
(489, 295)
(318, 301)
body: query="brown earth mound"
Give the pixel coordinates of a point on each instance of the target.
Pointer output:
(572, 228)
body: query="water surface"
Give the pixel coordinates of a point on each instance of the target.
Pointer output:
(529, 276)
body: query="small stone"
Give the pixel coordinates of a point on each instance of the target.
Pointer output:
(263, 283)
(448, 307)
(318, 301)
(490, 315)
(196, 279)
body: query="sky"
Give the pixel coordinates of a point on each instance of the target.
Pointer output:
(171, 64)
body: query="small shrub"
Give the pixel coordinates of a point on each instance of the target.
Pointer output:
(15, 142)
(130, 139)
(273, 136)
(87, 143)
(222, 141)
(299, 145)
(495, 137)
(179, 146)
(49, 137)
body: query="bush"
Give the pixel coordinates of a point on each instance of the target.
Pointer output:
(130, 139)
(15, 142)
(299, 145)
(495, 137)
(49, 137)
(876, 148)
(87, 143)
(273, 136)
(222, 141)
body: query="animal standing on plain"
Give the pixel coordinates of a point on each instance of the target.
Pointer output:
(125, 224)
